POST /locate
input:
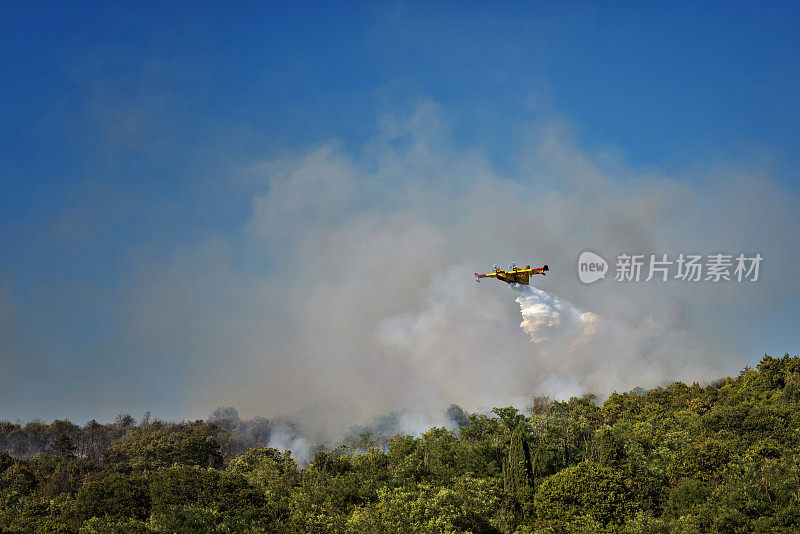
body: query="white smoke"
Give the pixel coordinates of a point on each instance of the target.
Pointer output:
(348, 292)
(285, 439)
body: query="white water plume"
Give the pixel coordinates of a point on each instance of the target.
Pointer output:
(548, 318)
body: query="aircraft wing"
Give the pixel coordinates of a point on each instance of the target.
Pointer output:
(537, 270)
(540, 270)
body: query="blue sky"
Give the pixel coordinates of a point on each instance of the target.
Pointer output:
(128, 130)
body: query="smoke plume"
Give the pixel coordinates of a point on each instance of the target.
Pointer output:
(348, 289)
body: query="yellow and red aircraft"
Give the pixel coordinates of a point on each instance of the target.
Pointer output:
(514, 274)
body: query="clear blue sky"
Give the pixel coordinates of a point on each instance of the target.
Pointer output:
(116, 118)
(661, 82)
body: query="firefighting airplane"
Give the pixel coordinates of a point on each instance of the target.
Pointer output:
(514, 275)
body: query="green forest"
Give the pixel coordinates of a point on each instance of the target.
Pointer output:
(721, 457)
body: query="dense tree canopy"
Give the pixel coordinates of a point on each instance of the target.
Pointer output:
(680, 458)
